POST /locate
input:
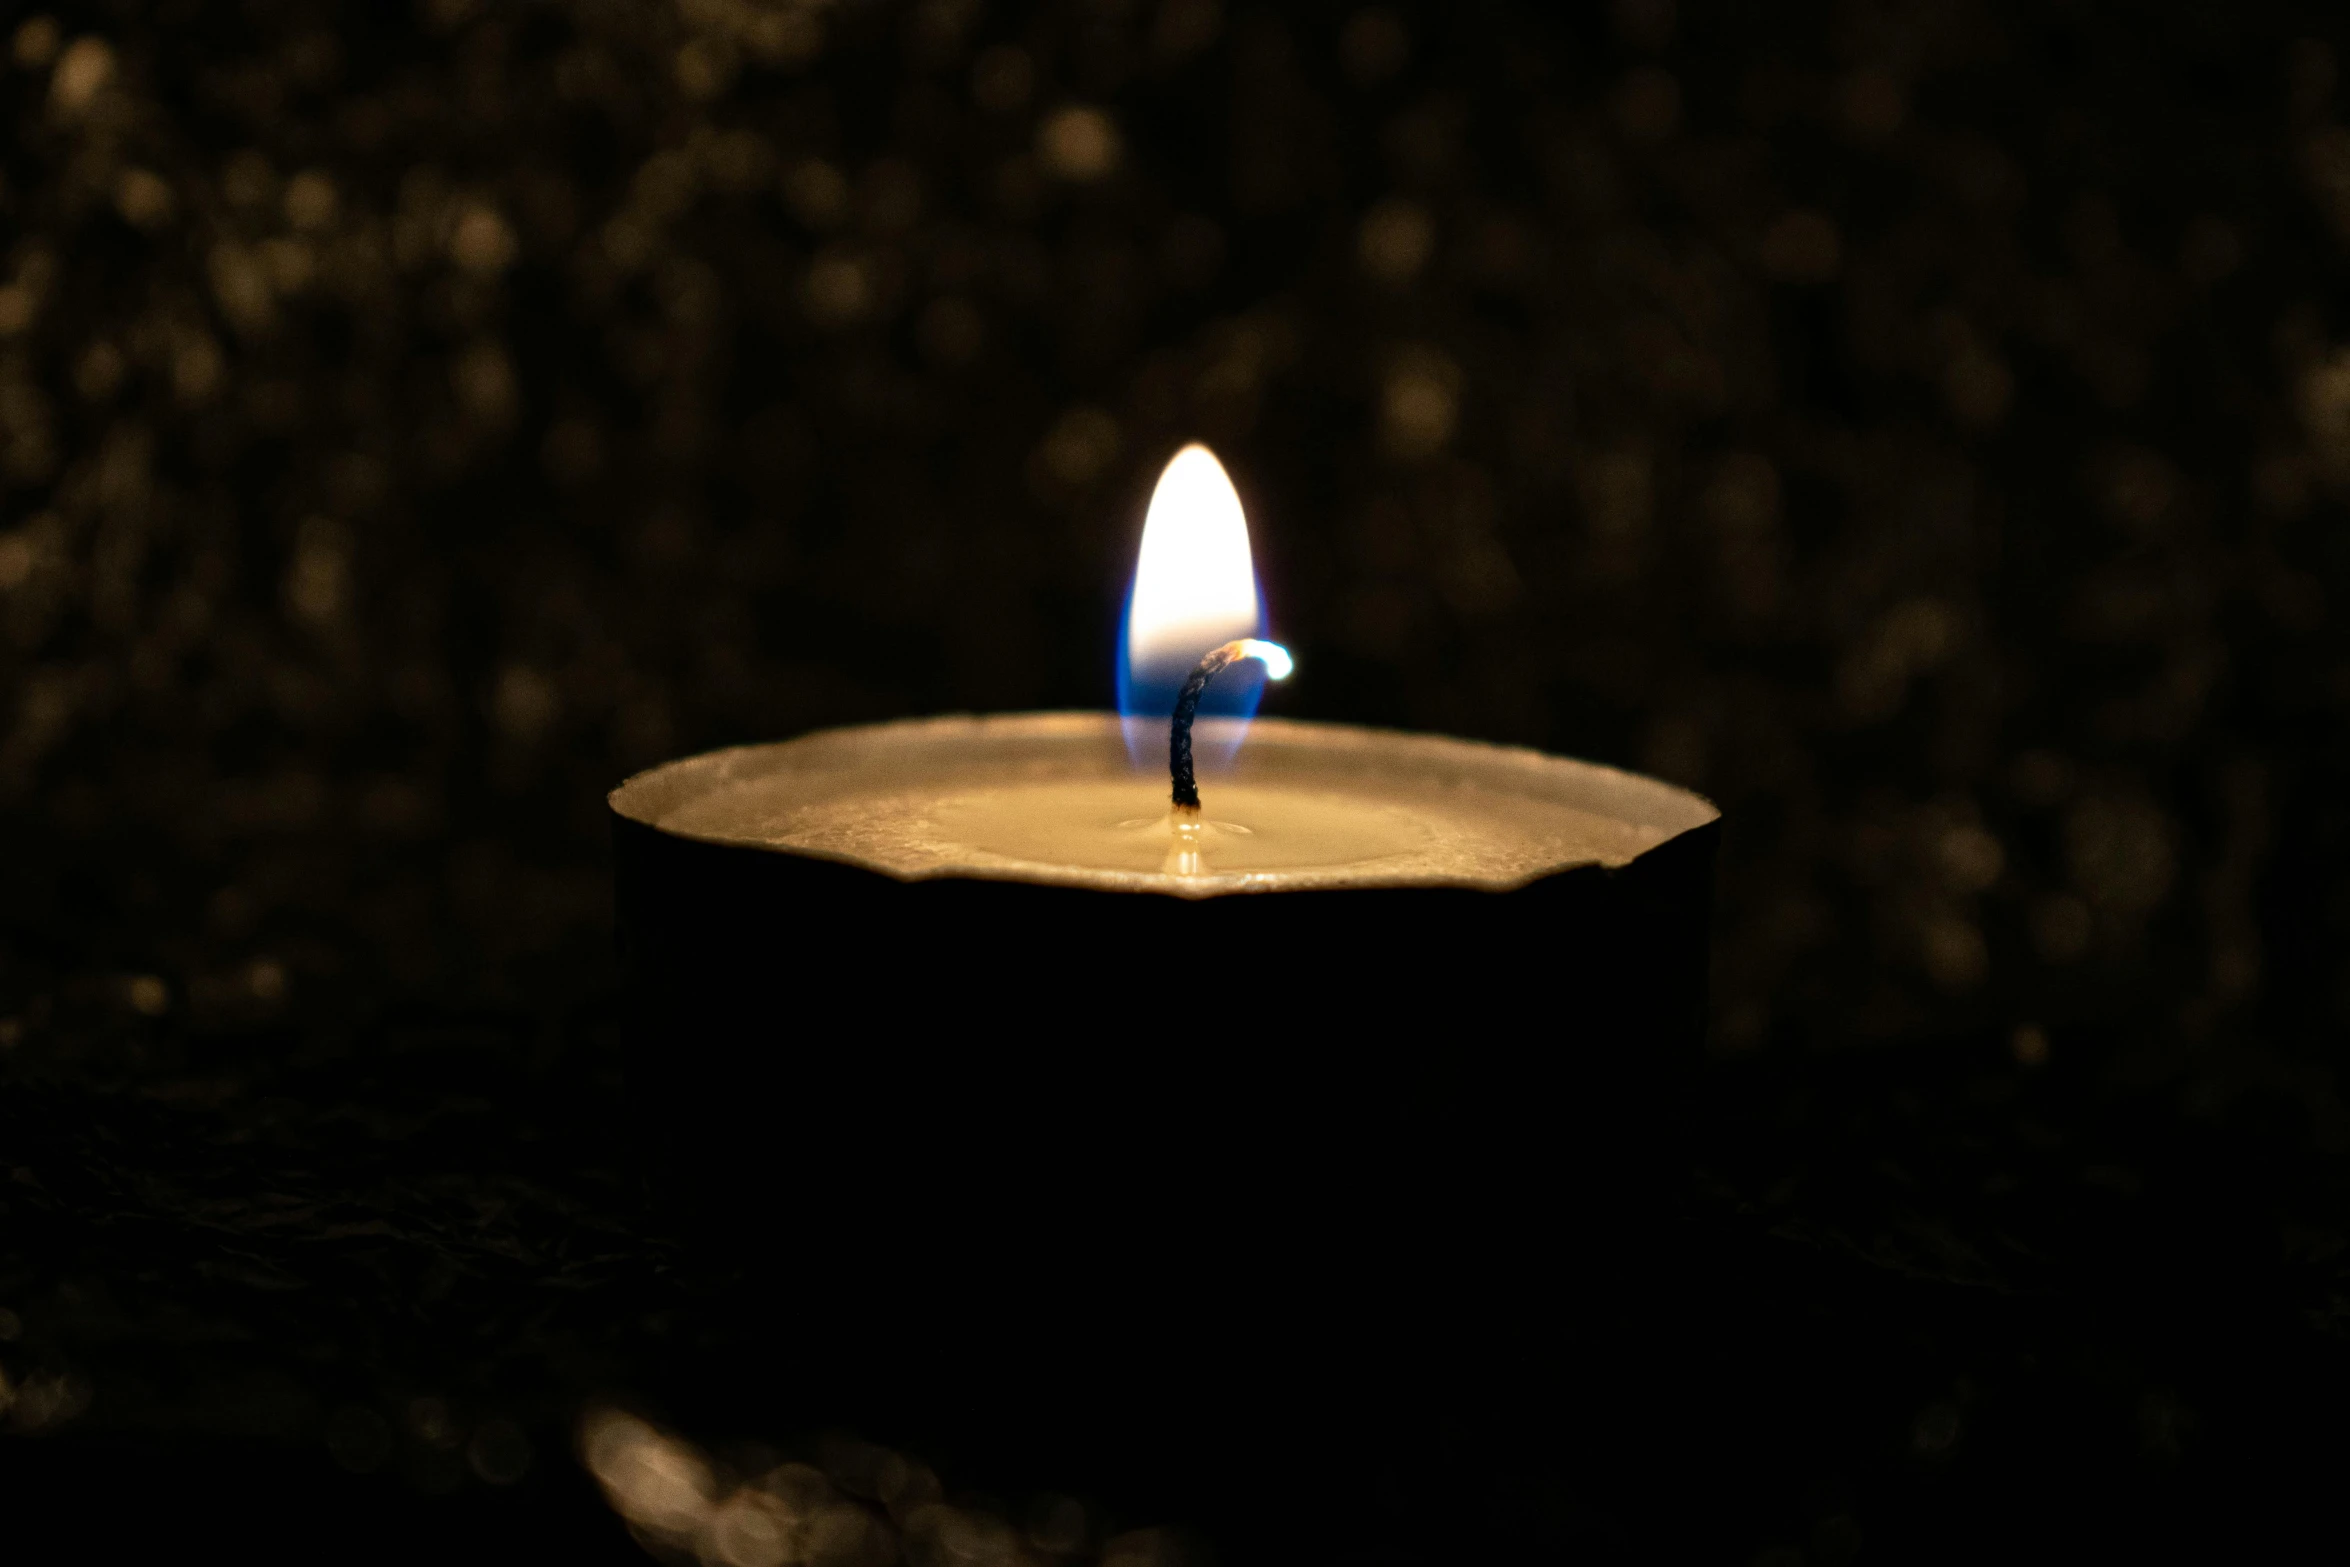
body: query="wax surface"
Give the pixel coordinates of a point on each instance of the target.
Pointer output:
(1254, 828)
(1052, 797)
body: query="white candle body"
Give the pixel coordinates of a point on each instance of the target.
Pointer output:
(1053, 798)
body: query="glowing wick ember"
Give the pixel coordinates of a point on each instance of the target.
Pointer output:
(1272, 655)
(1277, 664)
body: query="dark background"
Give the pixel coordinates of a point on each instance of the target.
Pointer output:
(1923, 427)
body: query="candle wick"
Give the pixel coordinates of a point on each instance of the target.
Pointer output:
(1276, 661)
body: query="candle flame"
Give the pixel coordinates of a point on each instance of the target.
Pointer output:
(1195, 586)
(1195, 589)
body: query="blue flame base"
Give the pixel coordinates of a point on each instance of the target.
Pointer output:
(1146, 701)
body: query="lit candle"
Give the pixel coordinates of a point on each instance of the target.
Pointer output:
(997, 1009)
(1069, 800)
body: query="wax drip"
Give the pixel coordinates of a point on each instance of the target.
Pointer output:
(1277, 666)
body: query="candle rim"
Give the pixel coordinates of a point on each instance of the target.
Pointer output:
(1665, 810)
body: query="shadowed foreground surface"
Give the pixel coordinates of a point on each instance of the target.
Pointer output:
(1925, 1308)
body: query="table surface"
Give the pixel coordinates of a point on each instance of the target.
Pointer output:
(363, 1273)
